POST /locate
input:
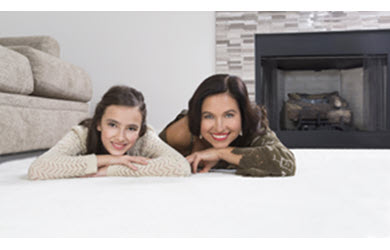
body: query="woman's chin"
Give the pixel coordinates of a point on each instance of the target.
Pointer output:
(219, 145)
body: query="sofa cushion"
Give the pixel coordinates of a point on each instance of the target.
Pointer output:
(15, 73)
(43, 43)
(36, 102)
(55, 78)
(34, 123)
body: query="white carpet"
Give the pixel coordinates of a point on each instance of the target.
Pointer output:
(335, 193)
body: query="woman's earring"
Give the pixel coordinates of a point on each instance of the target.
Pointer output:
(241, 132)
(200, 136)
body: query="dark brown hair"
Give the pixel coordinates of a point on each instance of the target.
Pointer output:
(116, 95)
(253, 118)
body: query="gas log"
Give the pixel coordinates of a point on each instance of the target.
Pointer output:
(316, 111)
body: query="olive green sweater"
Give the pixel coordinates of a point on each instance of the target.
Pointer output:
(264, 156)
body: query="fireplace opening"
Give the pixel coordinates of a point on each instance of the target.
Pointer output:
(320, 93)
(333, 93)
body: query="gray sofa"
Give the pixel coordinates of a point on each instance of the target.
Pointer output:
(41, 96)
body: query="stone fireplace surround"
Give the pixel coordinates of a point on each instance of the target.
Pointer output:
(235, 40)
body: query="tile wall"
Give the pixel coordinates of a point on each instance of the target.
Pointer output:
(235, 33)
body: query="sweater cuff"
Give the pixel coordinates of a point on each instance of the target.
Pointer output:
(91, 161)
(112, 170)
(117, 170)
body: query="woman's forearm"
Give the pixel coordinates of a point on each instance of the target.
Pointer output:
(227, 155)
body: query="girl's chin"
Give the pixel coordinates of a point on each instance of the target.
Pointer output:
(117, 152)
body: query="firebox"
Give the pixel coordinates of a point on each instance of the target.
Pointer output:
(326, 89)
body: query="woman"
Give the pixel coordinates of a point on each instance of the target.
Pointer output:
(115, 142)
(221, 126)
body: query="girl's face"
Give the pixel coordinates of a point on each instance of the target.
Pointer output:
(120, 127)
(220, 120)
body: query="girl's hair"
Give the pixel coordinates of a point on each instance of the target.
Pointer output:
(253, 118)
(116, 95)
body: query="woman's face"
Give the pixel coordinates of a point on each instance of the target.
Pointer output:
(220, 120)
(120, 127)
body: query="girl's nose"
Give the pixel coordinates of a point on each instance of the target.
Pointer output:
(121, 134)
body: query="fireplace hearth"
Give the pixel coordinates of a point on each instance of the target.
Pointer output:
(326, 89)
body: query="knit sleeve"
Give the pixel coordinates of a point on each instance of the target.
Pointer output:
(65, 159)
(266, 156)
(164, 160)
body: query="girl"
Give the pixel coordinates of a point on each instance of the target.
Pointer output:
(115, 142)
(221, 126)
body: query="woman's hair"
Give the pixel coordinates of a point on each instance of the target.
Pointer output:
(116, 95)
(253, 118)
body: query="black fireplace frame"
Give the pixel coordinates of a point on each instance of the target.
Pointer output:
(338, 43)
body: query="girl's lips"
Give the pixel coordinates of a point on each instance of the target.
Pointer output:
(220, 136)
(118, 146)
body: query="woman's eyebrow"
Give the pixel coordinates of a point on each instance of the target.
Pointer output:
(227, 111)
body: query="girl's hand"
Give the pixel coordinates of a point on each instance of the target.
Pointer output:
(209, 158)
(125, 160)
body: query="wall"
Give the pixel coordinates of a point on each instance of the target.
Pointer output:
(163, 54)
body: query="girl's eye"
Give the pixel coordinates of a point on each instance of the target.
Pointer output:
(208, 116)
(229, 115)
(132, 129)
(113, 125)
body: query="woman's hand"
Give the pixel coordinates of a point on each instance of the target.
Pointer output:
(209, 158)
(125, 160)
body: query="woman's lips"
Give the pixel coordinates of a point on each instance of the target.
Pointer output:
(220, 136)
(118, 146)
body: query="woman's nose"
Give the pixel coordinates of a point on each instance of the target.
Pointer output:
(219, 125)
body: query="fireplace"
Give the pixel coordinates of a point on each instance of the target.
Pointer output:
(326, 89)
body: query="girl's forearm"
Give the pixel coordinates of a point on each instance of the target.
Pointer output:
(104, 160)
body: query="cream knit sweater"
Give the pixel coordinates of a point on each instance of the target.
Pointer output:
(67, 158)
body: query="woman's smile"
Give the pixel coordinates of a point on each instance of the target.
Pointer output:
(220, 136)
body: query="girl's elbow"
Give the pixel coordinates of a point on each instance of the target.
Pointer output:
(35, 171)
(184, 169)
(32, 174)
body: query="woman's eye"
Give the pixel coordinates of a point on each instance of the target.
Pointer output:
(113, 125)
(132, 129)
(208, 116)
(229, 115)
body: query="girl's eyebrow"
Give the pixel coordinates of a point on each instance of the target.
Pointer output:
(128, 125)
(112, 120)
